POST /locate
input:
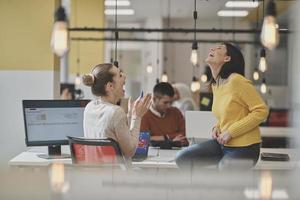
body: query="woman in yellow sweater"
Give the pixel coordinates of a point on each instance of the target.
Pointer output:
(239, 110)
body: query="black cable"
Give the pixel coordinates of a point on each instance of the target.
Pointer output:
(116, 35)
(195, 19)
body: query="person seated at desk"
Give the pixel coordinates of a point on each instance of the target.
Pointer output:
(163, 121)
(239, 110)
(182, 98)
(103, 118)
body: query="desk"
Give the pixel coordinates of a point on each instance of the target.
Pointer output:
(157, 158)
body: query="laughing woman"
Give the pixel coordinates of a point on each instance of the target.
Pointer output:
(103, 118)
(239, 110)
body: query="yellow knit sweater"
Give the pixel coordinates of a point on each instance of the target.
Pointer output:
(239, 109)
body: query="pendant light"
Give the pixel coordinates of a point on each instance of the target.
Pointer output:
(194, 54)
(59, 38)
(195, 85)
(204, 76)
(149, 68)
(255, 74)
(269, 33)
(262, 61)
(78, 77)
(164, 77)
(264, 87)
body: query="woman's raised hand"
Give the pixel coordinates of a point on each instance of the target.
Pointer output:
(141, 105)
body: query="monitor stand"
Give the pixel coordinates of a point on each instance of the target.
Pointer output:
(54, 152)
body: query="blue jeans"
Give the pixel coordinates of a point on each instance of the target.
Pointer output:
(212, 153)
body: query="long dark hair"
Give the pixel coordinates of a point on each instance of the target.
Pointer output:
(235, 65)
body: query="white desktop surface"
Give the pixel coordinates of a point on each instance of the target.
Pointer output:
(157, 158)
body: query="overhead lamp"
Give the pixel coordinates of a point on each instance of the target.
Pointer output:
(204, 78)
(149, 69)
(242, 4)
(263, 86)
(269, 34)
(233, 13)
(194, 55)
(119, 12)
(77, 79)
(164, 77)
(59, 38)
(255, 74)
(262, 61)
(195, 85)
(114, 2)
(265, 185)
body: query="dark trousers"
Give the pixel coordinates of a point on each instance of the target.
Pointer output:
(212, 153)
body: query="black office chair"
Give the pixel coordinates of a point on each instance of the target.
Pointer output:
(96, 152)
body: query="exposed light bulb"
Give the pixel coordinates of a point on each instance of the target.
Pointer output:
(204, 78)
(194, 57)
(255, 75)
(265, 185)
(263, 87)
(78, 80)
(149, 69)
(195, 85)
(164, 77)
(59, 38)
(269, 33)
(57, 178)
(263, 62)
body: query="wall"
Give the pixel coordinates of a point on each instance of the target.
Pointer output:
(86, 14)
(28, 69)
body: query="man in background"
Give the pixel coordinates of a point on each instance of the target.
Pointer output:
(163, 121)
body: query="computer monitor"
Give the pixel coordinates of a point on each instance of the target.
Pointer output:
(49, 122)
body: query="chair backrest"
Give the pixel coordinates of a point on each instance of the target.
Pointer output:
(103, 151)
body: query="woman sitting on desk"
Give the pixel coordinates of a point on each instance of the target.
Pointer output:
(238, 108)
(103, 118)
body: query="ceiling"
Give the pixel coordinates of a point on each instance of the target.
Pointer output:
(180, 9)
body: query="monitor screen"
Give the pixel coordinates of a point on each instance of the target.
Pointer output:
(49, 122)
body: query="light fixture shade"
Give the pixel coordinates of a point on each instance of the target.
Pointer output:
(59, 38)
(164, 77)
(149, 69)
(269, 33)
(195, 85)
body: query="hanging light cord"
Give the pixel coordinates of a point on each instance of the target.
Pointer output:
(116, 32)
(195, 19)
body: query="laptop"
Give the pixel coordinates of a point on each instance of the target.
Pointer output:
(198, 125)
(141, 152)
